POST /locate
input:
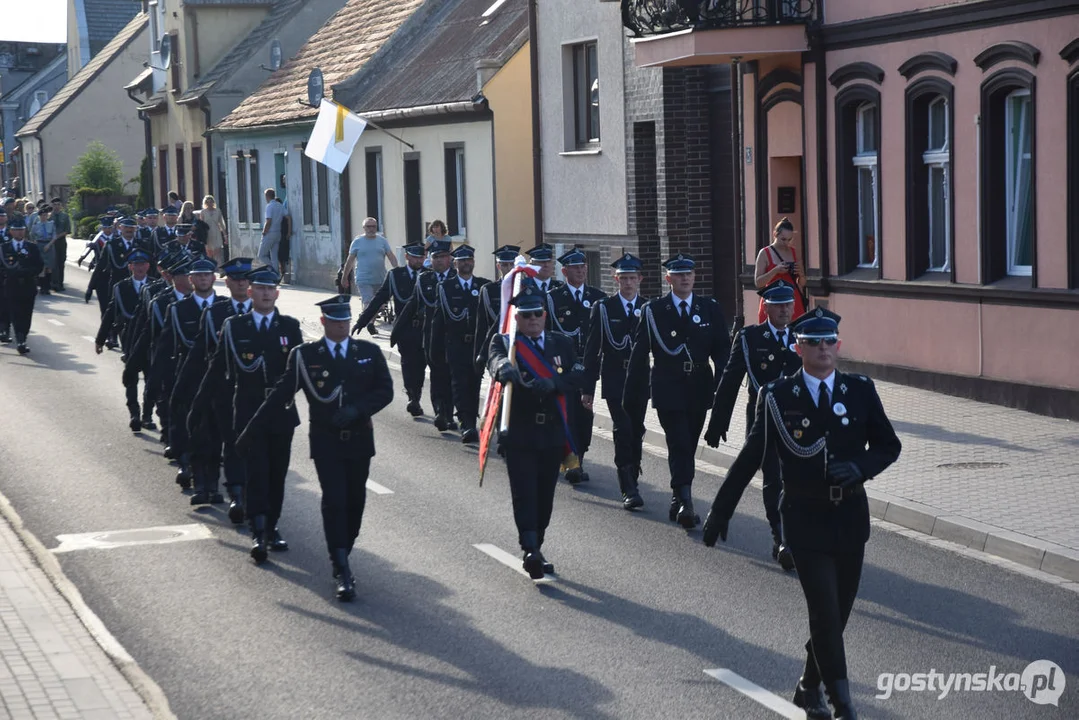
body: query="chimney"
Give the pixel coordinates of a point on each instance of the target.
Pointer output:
(485, 70)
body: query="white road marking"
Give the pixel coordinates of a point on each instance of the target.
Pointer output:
(56, 322)
(756, 692)
(109, 539)
(91, 339)
(511, 561)
(378, 489)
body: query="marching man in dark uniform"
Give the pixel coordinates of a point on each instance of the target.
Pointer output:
(399, 285)
(546, 376)
(831, 434)
(21, 263)
(680, 332)
(490, 305)
(763, 353)
(112, 267)
(542, 256)
(612, 327)
(251, 355)
(346, 382)
(209, 413)
(455, 325)
(184, 239)
(568, 309)
(121, 311)
(99, 278)
(423, 305)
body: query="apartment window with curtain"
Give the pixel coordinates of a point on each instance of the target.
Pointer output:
(937, 160)
(867, 164)
(1018, 137)
(586, 94)
(373, 169)
(455, 190)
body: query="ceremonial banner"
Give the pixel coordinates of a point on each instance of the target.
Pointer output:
(334, 136)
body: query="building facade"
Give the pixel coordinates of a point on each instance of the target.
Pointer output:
(928, 154)
(30, 74)
(634, 159)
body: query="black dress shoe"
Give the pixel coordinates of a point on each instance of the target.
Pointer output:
(135, 425)
(574, 476)
(216, 498)
(200, 498)
(533, 565)
(715, 527)
(148, 424)
(236, 512)
(839, 695)
(451, 424)
(441, 424)
(169, 452)
(686, 517)
(414, 408)
(675, 504)
(810, 699)
(183, 478)
(258, 538)
(23, 350)
(110, 344)
(5, 338)
(785, 558)
(470, 435)
(346, 586)
(372, 329)
(548, 568)
(276, 543)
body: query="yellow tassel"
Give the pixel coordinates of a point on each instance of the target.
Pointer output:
(339, 131)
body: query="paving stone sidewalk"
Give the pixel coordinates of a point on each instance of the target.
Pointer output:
(988, 477)
(50, 664)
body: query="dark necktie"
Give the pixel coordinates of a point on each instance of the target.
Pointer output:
(685, 310)
(338, 354)
(543, 287)
(539, 343)
(468, 288)
(824, 400)
(577, 296)
(265, 325)
(629, 309)
(781, 336)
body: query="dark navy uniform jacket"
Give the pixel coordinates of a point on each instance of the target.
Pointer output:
(757, 355)
(454, 318)
(610, 341)
(398, 287)
(20, 269)
(422, 306)
(565, 315)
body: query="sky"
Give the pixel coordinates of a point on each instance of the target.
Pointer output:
(47, 22)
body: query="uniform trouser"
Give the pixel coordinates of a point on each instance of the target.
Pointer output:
(581, 421)
(267, 465)
(413, 369)
(20, 306)
(683, 430)
(628, 435)
(466, 390)
(730, 493)
(103, 297)
(233, 465)
(131, 393)
(60, 257)
(344, 496)
(441, 388)
(830, 585)
(533, 477)
(5, 316)
(179, 438)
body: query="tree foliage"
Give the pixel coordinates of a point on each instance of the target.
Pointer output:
(99, 167)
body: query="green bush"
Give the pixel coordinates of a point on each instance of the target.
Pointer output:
(98, 167)
(87, 228)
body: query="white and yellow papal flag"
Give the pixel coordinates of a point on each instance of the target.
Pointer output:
(335, 135)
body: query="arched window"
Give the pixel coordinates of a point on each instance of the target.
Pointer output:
(858, 178)
(937, 160)
(1018, 161)
(866, 160)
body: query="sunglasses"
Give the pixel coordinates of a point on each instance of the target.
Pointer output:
(529, 314)
(815, 342)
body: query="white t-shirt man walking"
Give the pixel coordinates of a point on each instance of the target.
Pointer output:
(366, 264)
(271, 230)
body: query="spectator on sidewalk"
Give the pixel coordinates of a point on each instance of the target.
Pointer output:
(779, 261)
(271, 230)
(367, 259)
(62, 222)
(42, 232)
(216, 233)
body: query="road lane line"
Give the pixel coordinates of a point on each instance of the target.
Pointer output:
(91, 339)
(510, 561)
(378, 489)
(756, 692)
(56, 322)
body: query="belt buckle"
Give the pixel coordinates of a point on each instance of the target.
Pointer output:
(835, 493)
(266, 392)
(687, 367)
(541, 418)
(468, 338)
(625, 364)
(346, 435)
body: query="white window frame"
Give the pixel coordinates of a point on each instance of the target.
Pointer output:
(939, 158)
(867, 160)
(462, 189)
(380, 190)
(1011, 180)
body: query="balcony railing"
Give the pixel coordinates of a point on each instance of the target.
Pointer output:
(656, 17)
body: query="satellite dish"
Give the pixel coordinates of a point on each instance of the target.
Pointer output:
(314, 88)
(166, 52)
(275, 54)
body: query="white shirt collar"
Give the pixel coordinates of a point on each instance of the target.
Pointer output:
(678, 301)
(627, 302)
(541, 339)
(239, 306)
(464, 282)
(208, 300)
(574, 290)
(776, 331)
(813, 385)
(258, 318)
(333, 346)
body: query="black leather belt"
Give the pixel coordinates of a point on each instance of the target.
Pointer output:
(832, 493)
(541, 418)
(467, 338)
(690, 367)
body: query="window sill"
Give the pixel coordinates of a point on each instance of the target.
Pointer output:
(862, 273)
(939, 277)
(1012, 282)
(581, 153)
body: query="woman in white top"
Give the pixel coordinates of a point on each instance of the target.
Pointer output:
(217, 235)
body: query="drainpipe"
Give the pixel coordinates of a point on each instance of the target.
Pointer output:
(822, 166)
(537, 170)
(737, 167)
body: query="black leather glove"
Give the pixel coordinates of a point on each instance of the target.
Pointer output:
(544, 386)
(507, 373)
(345, 416)
(845, 473)
(356, 328)
(130, 376)
(713, 435)
(715, 527)
(89, 293)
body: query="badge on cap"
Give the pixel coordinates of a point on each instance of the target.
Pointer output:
(839, 409)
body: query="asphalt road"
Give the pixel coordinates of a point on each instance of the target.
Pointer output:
(639, 610)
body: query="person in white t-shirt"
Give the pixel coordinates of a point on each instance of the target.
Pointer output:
(271, 230)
